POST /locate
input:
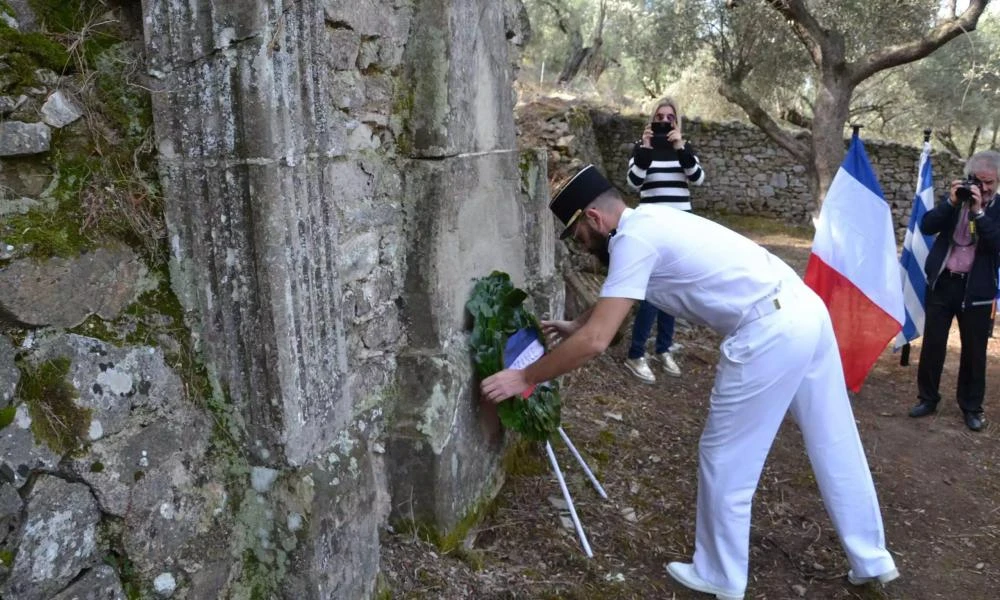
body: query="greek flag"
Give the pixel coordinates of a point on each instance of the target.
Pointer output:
(915, 248)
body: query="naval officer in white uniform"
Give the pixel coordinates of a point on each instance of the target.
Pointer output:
(778, 355)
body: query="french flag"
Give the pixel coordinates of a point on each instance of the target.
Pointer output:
(853, 265)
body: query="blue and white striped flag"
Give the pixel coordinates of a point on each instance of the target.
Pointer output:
(915, 248)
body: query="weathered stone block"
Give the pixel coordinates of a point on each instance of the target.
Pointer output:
(19, 139)
(59, 110)
(20, 452)
(59, 539)
(444, 451)
(64, 291)
(457, 66)
(338, 521)
(99, 583)
(344, 44)
(464, 221)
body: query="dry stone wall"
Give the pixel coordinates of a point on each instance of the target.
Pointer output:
(746, 172)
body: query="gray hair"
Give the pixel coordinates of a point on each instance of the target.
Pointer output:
(987, 159)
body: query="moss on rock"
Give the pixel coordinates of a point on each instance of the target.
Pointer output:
(7, 415)
(56, 419)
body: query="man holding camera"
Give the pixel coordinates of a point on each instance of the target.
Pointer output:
(961, 274)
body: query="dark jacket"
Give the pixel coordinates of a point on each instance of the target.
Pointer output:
(981, 283)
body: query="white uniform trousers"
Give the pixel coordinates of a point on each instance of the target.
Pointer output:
(787, 359)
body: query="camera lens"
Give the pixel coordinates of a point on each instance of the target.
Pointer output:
(963, 194)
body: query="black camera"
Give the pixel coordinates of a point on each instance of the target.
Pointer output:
(660, 131)
(964, 191)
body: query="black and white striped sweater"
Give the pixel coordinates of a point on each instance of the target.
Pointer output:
(663, 175)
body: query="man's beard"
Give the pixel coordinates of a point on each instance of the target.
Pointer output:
(599, 248)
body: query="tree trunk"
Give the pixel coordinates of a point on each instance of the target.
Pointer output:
(833, 101)
(586, 59)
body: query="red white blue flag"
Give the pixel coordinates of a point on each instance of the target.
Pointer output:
(853, 265)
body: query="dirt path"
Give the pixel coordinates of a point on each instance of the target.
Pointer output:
(939, 485)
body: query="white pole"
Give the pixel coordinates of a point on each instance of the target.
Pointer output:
(586, 469)
(541, 78)
(569, 500)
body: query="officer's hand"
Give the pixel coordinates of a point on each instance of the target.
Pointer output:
(557, 331)
(498, 387)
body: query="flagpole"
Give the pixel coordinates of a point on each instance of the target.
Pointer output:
(904, 356)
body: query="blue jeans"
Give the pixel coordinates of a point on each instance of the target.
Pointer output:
(644, 318)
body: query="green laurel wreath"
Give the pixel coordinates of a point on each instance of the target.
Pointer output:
(497, 310)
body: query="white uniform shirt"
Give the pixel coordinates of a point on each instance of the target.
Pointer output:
(691, 267)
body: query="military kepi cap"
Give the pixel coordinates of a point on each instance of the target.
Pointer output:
(576, 194)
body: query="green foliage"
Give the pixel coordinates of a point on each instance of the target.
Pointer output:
(104, 164)
(7, 558)
(61, 16)
(127, 573)
(954, 91)
(55, 417)
(58, 232)
(7, 415)
(256, 580)
(26, 51)
(497, 310)
(689, 48)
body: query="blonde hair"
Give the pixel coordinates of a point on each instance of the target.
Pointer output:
(665, 101)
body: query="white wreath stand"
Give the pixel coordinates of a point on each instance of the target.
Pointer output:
(525, 357)
(565, 491)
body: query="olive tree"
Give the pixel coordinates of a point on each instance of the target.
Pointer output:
(843, 43)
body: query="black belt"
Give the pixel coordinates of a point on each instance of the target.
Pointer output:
(953, 274)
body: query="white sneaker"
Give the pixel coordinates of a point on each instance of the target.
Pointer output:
(883, 578)
(685, 575)
(669, 364)
(640, 368)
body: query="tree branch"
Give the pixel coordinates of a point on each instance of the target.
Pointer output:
(901, 54)
(948, 142)
(806, 27)
(796, 118)
(565, 24)
(975, 140)
(732, 91)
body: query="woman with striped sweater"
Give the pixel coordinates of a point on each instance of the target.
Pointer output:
(662, 167)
